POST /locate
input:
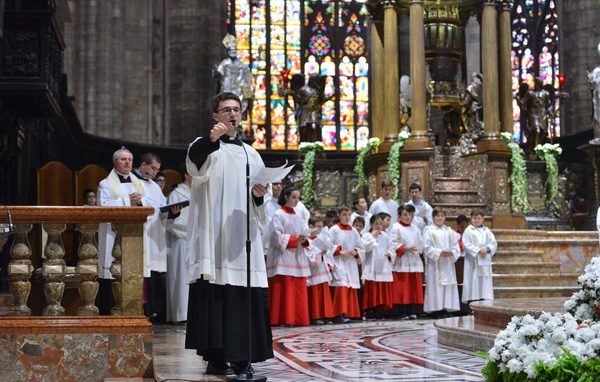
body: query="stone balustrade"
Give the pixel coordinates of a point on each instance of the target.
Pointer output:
(127, 268)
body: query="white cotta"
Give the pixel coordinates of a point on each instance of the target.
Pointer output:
(155, 241)
(388, 206)
(422, 210)
(271, 206)
(376, 266)
(320, 251)
(217, 219)
(477, 282)
(345, 272)
(410, 261)
(282, 260)
(441, 291)
(177, 273)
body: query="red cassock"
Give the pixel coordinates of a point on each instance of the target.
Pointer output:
(288, 300)
(408, 288)
(319, 302)
(345, 301)
(377, 293)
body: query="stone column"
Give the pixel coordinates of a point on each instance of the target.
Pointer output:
(378, 79)
(505, 39)
(391, 90)
(417, 77)
(489, 59)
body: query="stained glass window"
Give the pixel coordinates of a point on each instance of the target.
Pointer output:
(535, 55)
(309, 37)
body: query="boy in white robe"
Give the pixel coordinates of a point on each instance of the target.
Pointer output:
(320, 303)
(423, 211)
(385, 203)
(407, 243)
(480, 245)
(377, 270)
(346, 283)
(177, 273)
(441, 252)
(361, 208)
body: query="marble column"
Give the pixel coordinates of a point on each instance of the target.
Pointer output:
(505, 72)
(489, 59)
(378, 79)
(417, 77)
(391, 89)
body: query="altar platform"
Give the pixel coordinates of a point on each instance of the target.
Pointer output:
(478, 331)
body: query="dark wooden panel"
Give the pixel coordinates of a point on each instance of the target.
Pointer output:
(87, 177)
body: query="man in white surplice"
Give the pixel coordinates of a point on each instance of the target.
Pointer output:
(177, 271)
(423, 210)
(217, 326)
(120, 188)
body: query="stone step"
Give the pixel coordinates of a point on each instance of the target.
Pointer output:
(534, 291)
(455, 196)
(527, 243)
(454, 209)
(519, 256)
(464, 333)
(522, 234)
(451, 183)
(499, 312)
(525, 267)
(536, 279)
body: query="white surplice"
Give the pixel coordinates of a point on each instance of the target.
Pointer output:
(112, 193)
(477, 276)
(217, 206)
(422, 210)
(321, 258)
(345, 272)
(407, 236)
(177, 272)
(376, 266)
(388, 206)
(441, 291)
(281, 259)
(271, 206)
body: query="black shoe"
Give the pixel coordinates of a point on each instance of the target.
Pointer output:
(218, 368)
(240, 367)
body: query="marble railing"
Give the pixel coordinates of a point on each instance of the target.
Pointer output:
(127, 268)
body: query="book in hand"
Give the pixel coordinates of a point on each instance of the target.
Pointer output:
(167, 208)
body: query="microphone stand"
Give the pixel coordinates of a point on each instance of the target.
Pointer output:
(248, 375)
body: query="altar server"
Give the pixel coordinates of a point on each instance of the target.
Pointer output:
(320, 303)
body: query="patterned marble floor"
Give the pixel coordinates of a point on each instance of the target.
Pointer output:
(362, 351)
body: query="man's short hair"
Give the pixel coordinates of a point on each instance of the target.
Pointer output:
(148, 158)
(386, 183)
(356, 200)
(116, 153)
(224, 97)
(414, 186)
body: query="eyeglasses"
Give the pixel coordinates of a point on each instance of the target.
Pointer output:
(229, 110)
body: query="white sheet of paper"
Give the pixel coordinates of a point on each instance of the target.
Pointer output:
(271, 174)
(308, 231)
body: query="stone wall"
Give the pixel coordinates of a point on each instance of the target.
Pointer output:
(141, 70)
(580, 34)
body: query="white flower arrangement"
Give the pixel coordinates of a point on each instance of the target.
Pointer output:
(555, 346)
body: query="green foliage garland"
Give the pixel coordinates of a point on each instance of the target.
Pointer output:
(309, 149)
(359, 168)
(518, 175)
(394, 162)
(548, 153)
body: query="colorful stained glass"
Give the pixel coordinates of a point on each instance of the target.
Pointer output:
(535, 54)
(322, 37)
(278, 137)
(347, 137)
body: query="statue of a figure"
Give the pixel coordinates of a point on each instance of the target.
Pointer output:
(535, 104)
(405, 105)
(233, 75)
(308, 105)
(471, 110)
(594, 81)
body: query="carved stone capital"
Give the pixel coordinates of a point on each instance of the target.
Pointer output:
(389, 3)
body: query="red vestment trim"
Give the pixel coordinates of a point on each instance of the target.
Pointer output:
(344, 227)
(289, 210)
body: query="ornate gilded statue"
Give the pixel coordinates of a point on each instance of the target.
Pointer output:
(405, 106)
(471, 109)
(233, 75)
(594, 81)
(308, 105)
(535, 106)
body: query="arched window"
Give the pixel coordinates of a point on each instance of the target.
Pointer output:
(305, 37)
(535, 54)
